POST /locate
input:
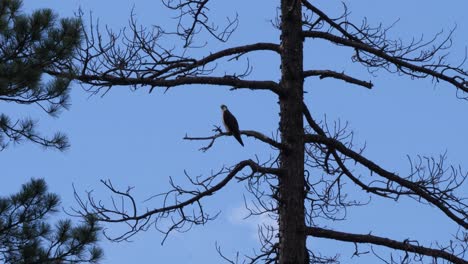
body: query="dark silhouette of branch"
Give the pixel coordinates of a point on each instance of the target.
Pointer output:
(239, 51)
(336, 75)
(27, 236)
(135, 58)
(26, 129)
(426, 174)
(438, 198)
(434, 70)
(196, 12)
(382, 241)
(327, 155)
(267, 255)
(428, 187)
(223, 81)
(186, 211)
(249, 133)
(325, 195)
(374, 50)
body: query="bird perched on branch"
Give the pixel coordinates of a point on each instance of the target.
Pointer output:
(231, 125)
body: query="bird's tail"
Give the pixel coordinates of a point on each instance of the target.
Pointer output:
(238, 137)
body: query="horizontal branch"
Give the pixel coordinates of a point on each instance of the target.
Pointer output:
(249, 133)
(457, 81)
(101, 211)
(138, 59)
(382, 241)
(335, 144)
(27, 129)
(238, 50)
(22, 101)
(236, 83)
(190, 64)
(337, 75)
(263, 138)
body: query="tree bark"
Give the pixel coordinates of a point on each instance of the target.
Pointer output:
(292, 238)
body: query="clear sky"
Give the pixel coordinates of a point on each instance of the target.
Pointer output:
(135, 138)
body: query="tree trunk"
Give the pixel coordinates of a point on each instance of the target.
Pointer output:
(292, 239)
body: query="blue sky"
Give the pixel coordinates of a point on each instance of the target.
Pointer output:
(135, 138)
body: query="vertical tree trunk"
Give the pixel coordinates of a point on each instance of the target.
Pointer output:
(291, 185)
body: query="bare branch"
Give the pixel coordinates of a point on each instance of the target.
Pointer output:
(249, 133)
(417, 189)
(126, 210)
(341, 76)
(373, 49)
(458, 81)
(224, 81)
(327, 19)
(135, 57)
(189, 64)
(427, 187)
(404, 246)
(197, 13)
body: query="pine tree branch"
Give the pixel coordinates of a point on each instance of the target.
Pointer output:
(27, 129)
(383, 192)
(27, 236)
(382, 241)
(143, 62)
(128, 213)
(249, 133)
(459, 82)
(336, 145)
(414, 187)
(337, 75)
(197, 11)
(327, 19)
(239, 51)
(235, 83)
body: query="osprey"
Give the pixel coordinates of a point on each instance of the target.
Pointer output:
(230, 123)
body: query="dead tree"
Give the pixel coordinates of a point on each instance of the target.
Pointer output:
(284, 187)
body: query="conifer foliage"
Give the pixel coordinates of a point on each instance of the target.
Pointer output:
(31, 45)
(27, 238)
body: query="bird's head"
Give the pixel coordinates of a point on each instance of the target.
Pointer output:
(223, 107)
